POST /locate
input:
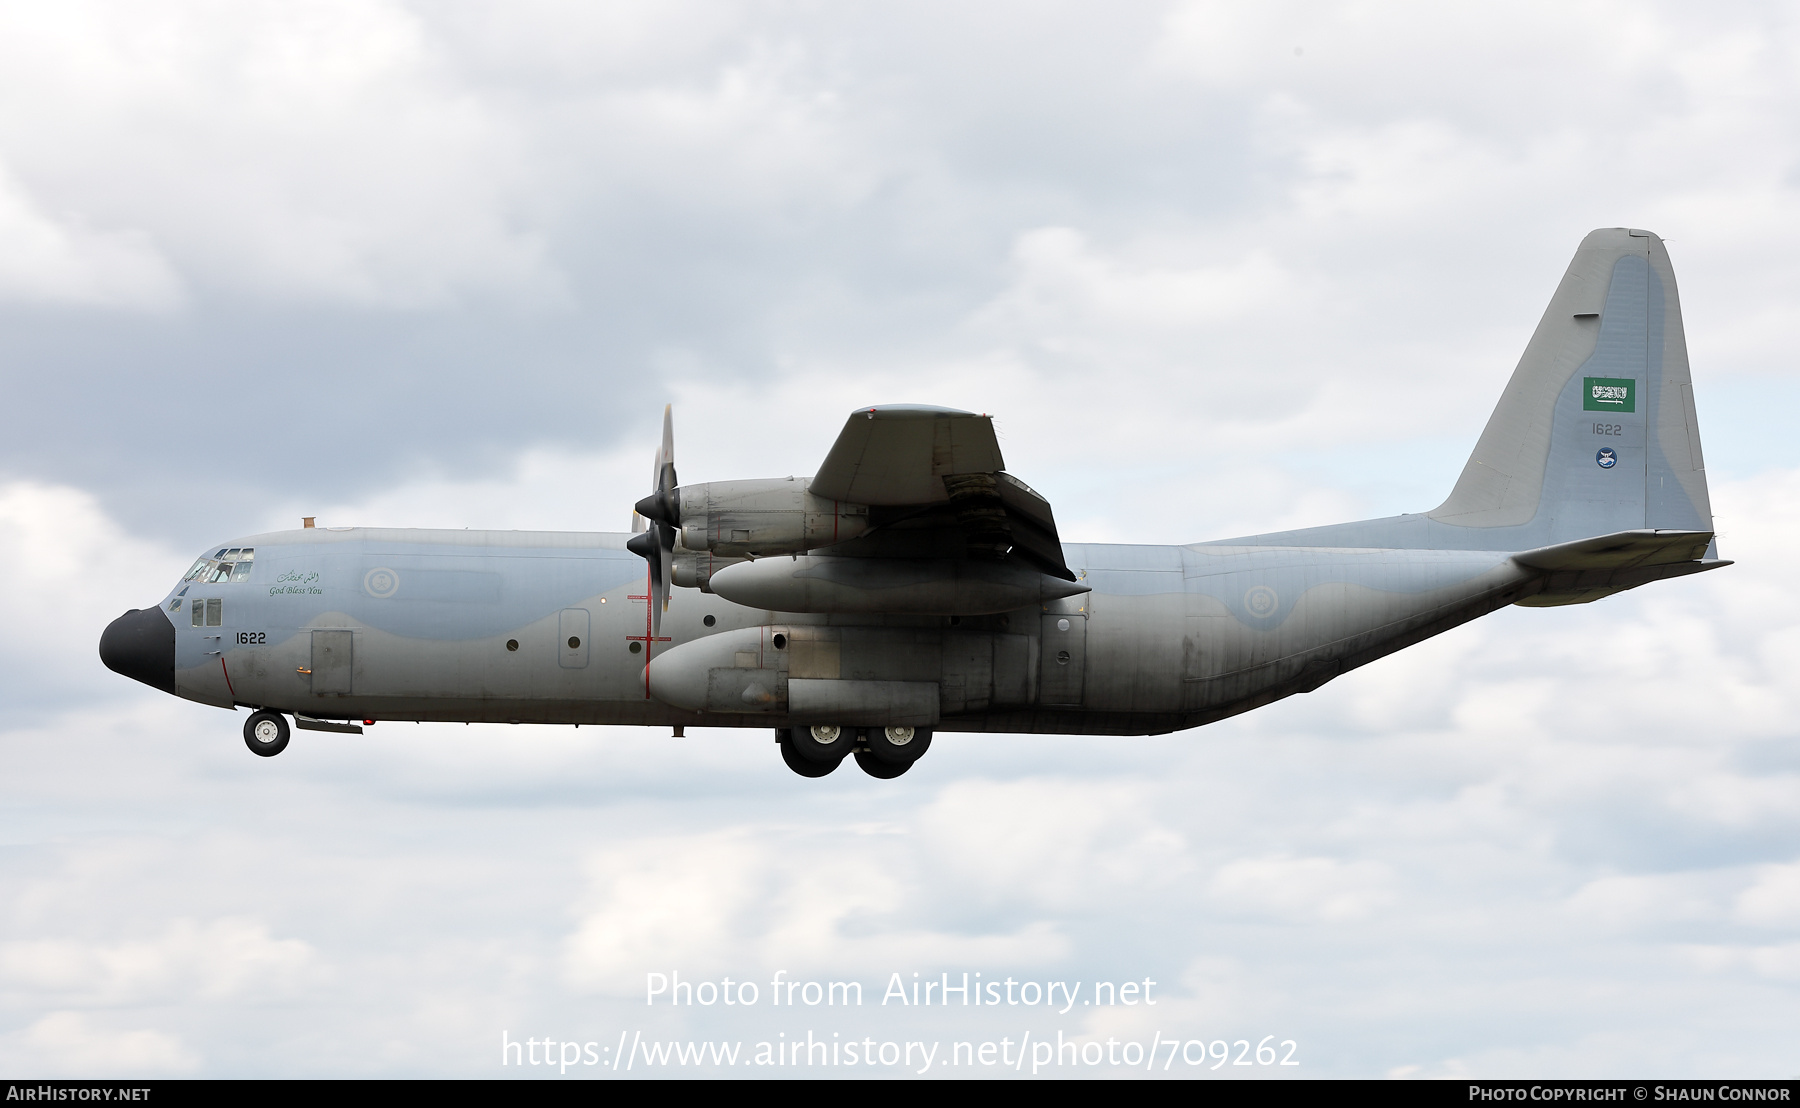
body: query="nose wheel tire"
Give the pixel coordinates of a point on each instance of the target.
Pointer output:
(266, 733)
(803, 764)
(899, 746)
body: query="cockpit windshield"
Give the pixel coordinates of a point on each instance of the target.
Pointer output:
(229, 564)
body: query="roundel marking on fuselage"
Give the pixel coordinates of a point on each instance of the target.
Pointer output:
(1261, 601)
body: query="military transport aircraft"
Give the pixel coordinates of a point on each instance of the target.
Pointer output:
(912, 585)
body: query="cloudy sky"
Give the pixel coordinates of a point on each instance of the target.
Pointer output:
(1216, 268)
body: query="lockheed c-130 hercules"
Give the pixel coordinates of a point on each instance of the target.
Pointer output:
(913, 585)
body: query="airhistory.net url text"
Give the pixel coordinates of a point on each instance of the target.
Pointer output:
(633, 1053)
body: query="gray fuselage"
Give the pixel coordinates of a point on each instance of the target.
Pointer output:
(550, 627)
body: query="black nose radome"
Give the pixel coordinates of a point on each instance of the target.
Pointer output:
(141, 645)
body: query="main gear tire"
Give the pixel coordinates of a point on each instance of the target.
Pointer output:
(876, 767)
(266, 733)
(800, 763)
(823, 742)
(900, 746)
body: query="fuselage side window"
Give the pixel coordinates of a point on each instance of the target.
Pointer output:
(215, 611)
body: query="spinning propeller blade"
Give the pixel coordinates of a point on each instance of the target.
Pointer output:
(662, 510)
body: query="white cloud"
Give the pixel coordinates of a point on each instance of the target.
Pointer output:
(221, 959)
(76, 1044)
(1303, 888)
(42, 259)
(74, 570)
(1051, 844)
(311, 152)
(760, 900)
(1774, 900)
(1641, 902)
(1063, 284)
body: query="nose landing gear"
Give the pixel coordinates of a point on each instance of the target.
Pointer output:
(266, 733)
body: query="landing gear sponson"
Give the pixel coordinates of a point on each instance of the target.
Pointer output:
(884, 752)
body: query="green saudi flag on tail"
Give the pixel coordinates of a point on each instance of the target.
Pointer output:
(1608, 394)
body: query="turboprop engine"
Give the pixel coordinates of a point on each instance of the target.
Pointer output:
(754, 519)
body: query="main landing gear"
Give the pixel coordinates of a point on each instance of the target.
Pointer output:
(266, 733)
(884, 752)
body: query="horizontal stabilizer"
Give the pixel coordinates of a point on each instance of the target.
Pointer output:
(1620, 550)
(1587, 570)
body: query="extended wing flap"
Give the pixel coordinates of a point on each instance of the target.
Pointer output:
(1032, 526)
(900, 454)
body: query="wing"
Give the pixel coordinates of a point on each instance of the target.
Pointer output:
(897, 455)
(936, 487)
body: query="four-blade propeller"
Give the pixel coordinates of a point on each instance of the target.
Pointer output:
(662, 508)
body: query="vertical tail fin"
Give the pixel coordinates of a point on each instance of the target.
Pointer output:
(1595, 432)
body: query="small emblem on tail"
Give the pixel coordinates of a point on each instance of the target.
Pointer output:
(1607, 458)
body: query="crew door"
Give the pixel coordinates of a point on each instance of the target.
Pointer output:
(331, 661)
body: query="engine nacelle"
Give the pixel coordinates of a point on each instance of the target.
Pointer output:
(742, 519)
(863, 586)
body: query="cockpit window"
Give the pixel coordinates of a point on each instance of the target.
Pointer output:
(231, 564)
